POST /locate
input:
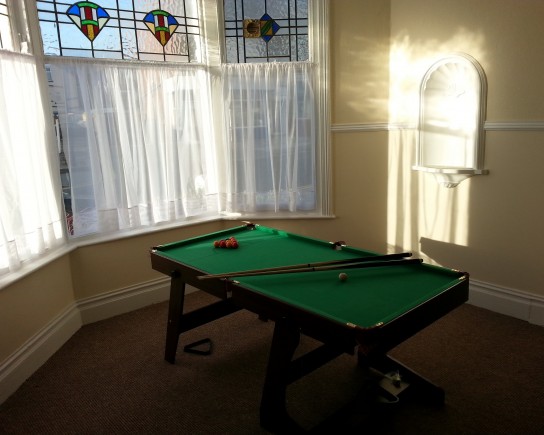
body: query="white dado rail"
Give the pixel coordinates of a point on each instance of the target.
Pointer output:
(488, 126)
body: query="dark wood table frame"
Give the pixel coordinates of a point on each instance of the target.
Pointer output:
(371, 345)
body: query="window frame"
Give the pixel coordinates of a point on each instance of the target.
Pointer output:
(212, 23)
(24, 40)
(19, 26)
(319, 53)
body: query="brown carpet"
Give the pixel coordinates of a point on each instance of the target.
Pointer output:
(110, 378)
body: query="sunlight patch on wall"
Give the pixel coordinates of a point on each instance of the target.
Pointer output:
(409, 60)
(443, 213)
(418, 207)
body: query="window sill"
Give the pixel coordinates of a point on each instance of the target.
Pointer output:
(35, 264)
(273, 216)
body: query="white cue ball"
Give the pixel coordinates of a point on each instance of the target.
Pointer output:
(343, 276)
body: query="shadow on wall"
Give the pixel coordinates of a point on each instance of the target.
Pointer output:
(448, 254)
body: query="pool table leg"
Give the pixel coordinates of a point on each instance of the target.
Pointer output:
(273, 412)
(175, 311)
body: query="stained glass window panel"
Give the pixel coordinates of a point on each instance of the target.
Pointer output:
(50, 38)
(71, 37)
(109, 40)
(300, 43)
(254, 8)
(175, 7)
(124, 4)
(281, 35)
(78, 53)
(255, 48)
(301, 8)
(279, 45)
(229, 10)
(128, 40)
(147, 42)
(146, 4)
(278, 9)
(107, 3)
(45, 6)
(167, 30)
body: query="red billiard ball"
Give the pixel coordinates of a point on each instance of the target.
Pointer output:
(222, 243)
(343, 276)
(234, 245)
(216, 244)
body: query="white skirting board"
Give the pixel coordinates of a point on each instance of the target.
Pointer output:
(38, 349)
(122, 301)
(20, 365)
(514, 303)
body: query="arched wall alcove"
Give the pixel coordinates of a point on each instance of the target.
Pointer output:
(451, 134)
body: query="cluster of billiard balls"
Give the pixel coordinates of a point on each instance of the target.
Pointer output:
(230, 243)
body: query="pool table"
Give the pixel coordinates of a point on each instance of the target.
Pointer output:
(382, 302)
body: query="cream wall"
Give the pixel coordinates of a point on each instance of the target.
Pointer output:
(32, 302)
(504, 35)
(490, 226)
(102, 268)
(359, 97)
(359, 48)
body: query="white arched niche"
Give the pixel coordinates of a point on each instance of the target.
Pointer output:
(451, 122)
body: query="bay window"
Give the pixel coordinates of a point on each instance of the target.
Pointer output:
(162, 111)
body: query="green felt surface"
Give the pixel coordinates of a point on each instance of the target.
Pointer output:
(368, 297)
(260, 248)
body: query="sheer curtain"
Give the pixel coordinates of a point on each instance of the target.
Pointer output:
(271, 137)
(31, 222)
(137, 141)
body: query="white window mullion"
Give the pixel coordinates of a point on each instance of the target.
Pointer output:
(318, 11)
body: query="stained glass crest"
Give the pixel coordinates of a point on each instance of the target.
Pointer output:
(280, 34)
(269, 27)
(89, 17)
(161, 24)
(264, 28)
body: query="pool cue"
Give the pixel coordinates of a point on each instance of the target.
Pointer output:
(314, 268)
(316, 264)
